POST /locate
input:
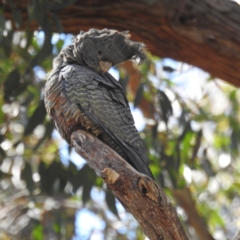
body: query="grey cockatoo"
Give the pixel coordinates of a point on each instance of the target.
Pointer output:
(81, 94)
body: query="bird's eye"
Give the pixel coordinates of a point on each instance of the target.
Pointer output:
(99, 52)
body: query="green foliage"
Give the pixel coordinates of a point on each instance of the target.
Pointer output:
(37, 233)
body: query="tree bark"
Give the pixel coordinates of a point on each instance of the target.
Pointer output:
(203, 33)
(139, 194)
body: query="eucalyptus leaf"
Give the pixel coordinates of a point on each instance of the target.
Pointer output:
(29, 37)
(12, 84)
(88, 181)
(48, 175)
(49, 127)
(168, 69)
(165, 105)
(2, 26)
(207, 166)
(111, 202)
(37, 118)
(196, 146)
(139, 95)
(47, 47)
(74, 176)
(86, 192)
(124, 82)
(6, 43)
(26, 175)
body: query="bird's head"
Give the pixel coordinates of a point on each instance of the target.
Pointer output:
(102, 49)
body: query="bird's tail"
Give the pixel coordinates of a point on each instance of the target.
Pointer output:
(138, 161)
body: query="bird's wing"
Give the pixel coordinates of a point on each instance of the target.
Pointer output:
(103, 101)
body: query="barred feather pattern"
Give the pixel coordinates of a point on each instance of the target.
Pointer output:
(78, 97)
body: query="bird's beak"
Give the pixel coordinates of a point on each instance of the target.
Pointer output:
(105, 66)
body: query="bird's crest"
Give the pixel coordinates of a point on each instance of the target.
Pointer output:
(98, 48)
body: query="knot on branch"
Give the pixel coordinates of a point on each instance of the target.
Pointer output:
(148, 187)
(110, 176)
(79, 137)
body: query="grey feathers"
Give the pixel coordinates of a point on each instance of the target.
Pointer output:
(80, 94)
(89, 48)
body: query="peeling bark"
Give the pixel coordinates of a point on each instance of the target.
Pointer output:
(203, 33)
(139, 194)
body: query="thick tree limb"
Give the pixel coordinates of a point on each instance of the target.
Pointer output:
(203, 33)
(139, 194)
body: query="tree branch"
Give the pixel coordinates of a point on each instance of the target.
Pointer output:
(202, 33)
(185, 200)
(139, 194)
